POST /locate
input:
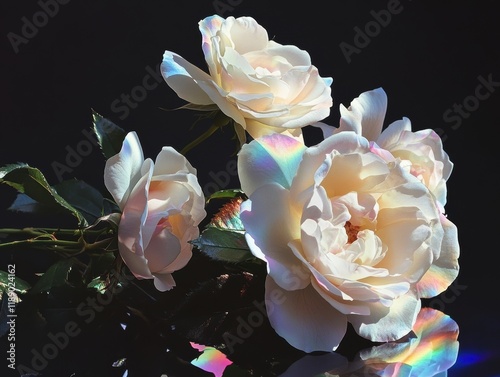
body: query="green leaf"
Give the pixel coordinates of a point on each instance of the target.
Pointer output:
(224, 245)
(12, 282)
(30, 181)
(109, 136)
(55, 276)
(227, 194)
(82, 196)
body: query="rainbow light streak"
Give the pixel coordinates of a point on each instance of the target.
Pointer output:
(433, 350)
(278, 156)
(434, 283)
(211, 360)
(438, 344)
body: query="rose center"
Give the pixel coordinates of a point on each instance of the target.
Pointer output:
(352, 231)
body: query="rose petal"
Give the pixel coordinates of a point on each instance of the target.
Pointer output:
(162, 250)
(123, 170)
(392, 133)
(386, 324)
(164, 282)
(169, 161)
(272, 158)
(135, 213)
(304, 319)
(268, 233)
(365, 115)
(184, 78)
(445, 269)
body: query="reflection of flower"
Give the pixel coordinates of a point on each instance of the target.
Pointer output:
(162, 205)
(262, 85)
(347, 237)
(430, 350)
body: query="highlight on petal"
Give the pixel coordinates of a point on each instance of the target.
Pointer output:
(184, 78)
(123, 170)
(365, 115)
(270, 159)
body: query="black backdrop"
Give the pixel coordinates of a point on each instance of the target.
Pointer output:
(434, 60)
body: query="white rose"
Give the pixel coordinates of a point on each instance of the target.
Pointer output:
(347, 237)
(262, 85)
(421, 152)
(162, 204)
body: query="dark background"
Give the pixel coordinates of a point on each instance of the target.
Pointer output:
(429, 58)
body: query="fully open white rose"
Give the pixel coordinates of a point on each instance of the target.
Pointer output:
(423, 155)
(347, 237)
(262, 85)
(162, 204)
